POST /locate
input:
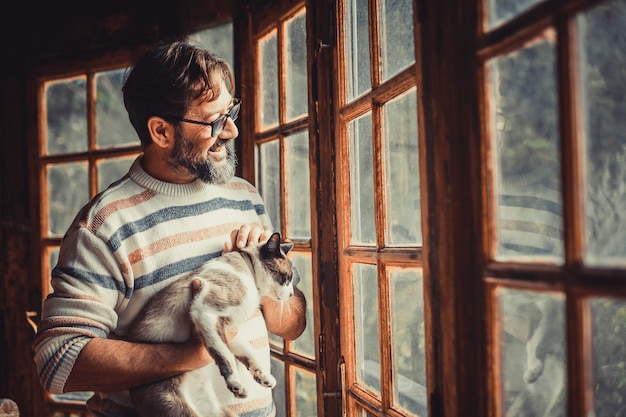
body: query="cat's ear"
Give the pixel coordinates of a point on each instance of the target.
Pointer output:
(286, 247)
(273, 243)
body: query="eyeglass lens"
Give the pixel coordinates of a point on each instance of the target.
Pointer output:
(221, 122)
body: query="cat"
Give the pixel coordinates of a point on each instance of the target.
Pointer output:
(243, 276)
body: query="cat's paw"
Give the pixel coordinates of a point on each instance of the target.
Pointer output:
(534, 371)
(265, 379)
(237, 388)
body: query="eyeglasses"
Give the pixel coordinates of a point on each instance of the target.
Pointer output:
(218, 124)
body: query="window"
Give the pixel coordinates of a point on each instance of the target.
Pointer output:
(382, 291)
(554, 175)
(282, 160)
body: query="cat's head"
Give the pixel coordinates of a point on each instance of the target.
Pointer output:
(277, 278)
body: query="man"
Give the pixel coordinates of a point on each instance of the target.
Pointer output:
(179, 205)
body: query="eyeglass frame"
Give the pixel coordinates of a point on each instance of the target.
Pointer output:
(235, 108)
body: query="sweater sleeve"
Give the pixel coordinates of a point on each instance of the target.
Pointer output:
(87, 287)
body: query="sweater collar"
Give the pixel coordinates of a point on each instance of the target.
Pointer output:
(142, 178)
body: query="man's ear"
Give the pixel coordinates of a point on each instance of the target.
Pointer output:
(161, 131)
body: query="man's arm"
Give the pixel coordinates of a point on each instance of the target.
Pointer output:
(114, 365)
(286, 319)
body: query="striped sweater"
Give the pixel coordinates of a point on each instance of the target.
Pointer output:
(130, 241)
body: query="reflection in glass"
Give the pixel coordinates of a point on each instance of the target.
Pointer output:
(68, 192)
(409, 353)
(526, 147)
(297, 184)
(532, 344)
(357, 48)
(608, 317)
(267, 161)
(268, 74)
(365, 287)
(404, 225)
(361, 158)
(602, 43)
(306, 394)
(66, 110)
(112, 169)
(296, 69)
(113, 125)
(398, 45)
(305, 344)
(500, 11)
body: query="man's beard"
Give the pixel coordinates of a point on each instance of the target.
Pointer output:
(187, 155)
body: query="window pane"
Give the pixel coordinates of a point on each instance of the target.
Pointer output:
(305, 344)
(361, 158)
(113, 125)
(68, 191)
(398, 46)
(66, 109)
(532, 343)
(306, 394)
(525, 113)
(297, 184)
(278, 393)
(603, 85)
(296, 70)
(502, 10)
(357, 48)
(365, 282)
(409, 354)
(113, 169)
(267, 160)
(402, 172)
(217, 39)
(268, 80)
(608, 318)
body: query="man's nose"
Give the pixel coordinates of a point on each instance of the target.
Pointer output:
(230, 130)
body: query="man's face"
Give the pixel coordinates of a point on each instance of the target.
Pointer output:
(210, 159)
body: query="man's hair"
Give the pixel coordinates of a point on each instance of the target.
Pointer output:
(167, 78)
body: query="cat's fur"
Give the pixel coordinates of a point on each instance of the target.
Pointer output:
(219, 295)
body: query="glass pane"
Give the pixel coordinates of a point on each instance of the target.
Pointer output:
(267, 160)
(113, 125)
(305, 344)
(306, 394)
(404, 225)
(298, 198)
(51, 257)
(357, 48)
(502, 10)
(68, 192)
(362, 224)
(268, 80)
(409, 351)
(603, 86)
(66, 110)
(398, 45)
(219, 40)
(278, 393)
(113, 169)
(608, 318)
(296, 69)
(365, 282)
(532, 344)
(527, 167)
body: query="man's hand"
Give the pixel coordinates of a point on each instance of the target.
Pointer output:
(247, 235)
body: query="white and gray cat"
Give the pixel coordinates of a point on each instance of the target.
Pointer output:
(218, 296)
